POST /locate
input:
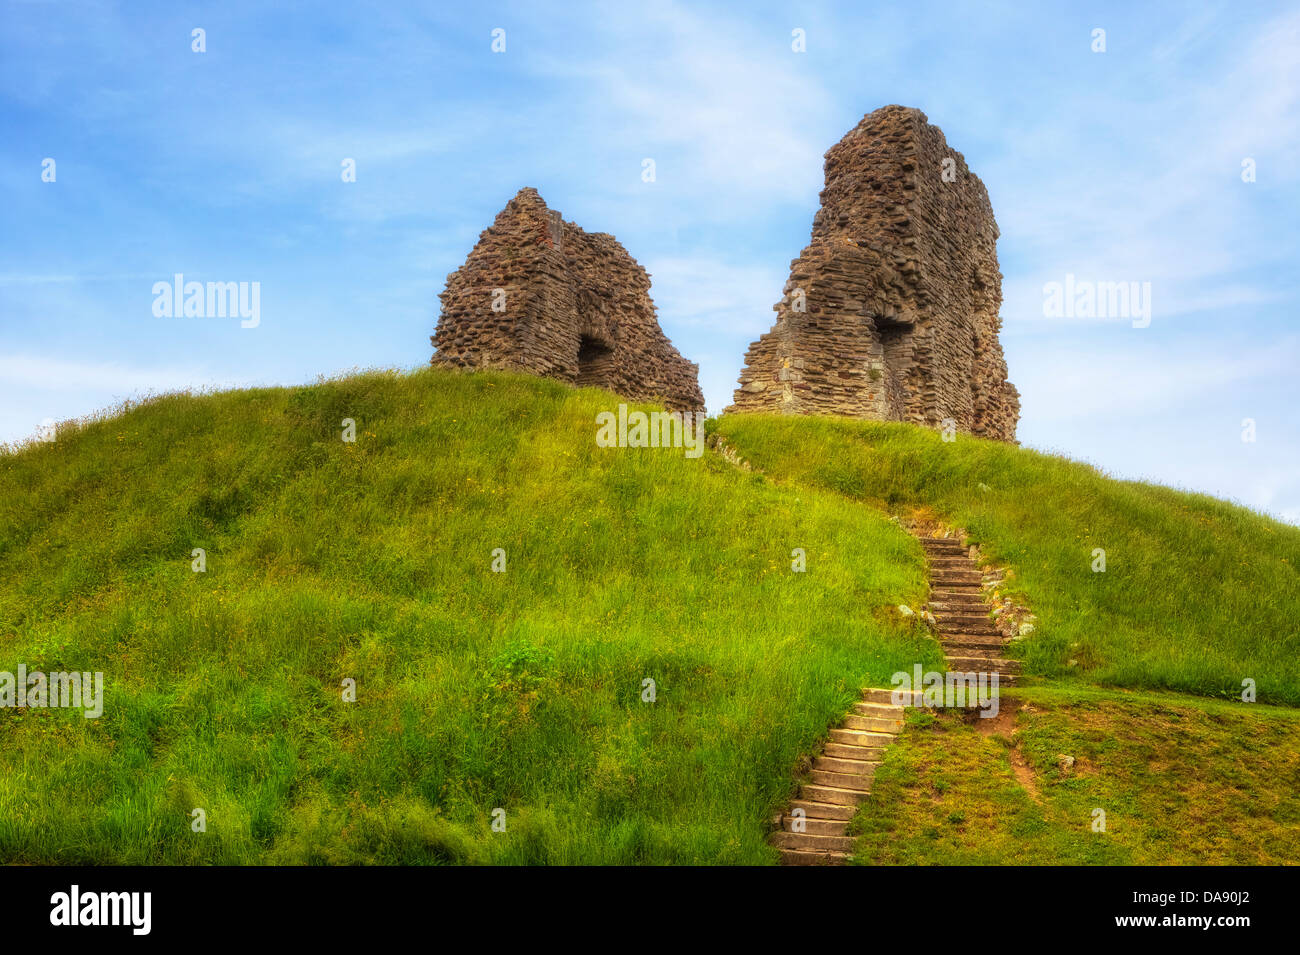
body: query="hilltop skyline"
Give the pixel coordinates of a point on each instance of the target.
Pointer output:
(230, 165)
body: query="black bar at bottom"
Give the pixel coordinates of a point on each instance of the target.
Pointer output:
(888, 906)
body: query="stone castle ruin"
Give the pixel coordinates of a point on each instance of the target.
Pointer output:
(538, 294)
(891, 312)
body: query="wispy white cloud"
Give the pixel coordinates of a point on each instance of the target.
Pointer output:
(44, 373)
(69, 278)
(1172, 211)
(739, 113)
(724, 296)
(39, 388)
(1093, 380)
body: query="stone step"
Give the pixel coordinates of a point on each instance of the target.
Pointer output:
(978, 664)
(962, 594)
(873, 724)
(852, 767)
(967, 603)
(942, 542)
(987, 654)
(816, 792)
(973, 609)
(861, 737)
(994, 639)
(856, 782)
(880, 695)
(969, 630)
(817, 827)
(863, 753)
(887, 711)
(809, 841)
(948, 578)
(955, 562)
(1006, 680)
(815, 809)
(801, 857)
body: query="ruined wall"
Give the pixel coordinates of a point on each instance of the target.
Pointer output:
(576, 307)
(891, 312)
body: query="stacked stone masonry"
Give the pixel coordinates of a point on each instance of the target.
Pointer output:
(891, 312)
(540, 295)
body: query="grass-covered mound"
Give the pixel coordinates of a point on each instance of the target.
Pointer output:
(1197, 595)
(523, 690)
(476, 690)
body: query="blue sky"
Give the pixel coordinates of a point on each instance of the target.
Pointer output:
(225, 166)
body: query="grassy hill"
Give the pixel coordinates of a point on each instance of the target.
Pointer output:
(1197, 594)
(476, 690)
(525, 690)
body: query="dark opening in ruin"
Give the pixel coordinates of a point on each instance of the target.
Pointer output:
(896, 343)
(594, 362)
(896, 340)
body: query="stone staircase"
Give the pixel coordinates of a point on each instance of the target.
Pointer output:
(970, 641)
(813, 831)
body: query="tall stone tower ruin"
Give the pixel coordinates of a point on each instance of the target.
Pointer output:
(540, 295)
(891, 312)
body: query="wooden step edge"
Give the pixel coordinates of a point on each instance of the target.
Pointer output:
(808, 841)
(877, 710)
(867, 734)
(815, 809)
(848, 782)
(981, 665)
(820, 792)
(804, 857)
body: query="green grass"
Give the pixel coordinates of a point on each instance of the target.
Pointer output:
(523, 690)
(1180, 781)
(475, 690)
(1197, 595)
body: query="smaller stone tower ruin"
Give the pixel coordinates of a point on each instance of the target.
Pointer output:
(540, 295)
